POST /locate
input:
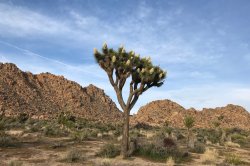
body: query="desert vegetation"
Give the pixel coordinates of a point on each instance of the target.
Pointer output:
(71, 140)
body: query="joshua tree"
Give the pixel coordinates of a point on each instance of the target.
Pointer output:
(120, 66)
(189, 123)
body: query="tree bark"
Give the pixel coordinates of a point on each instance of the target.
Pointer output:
(125, 136)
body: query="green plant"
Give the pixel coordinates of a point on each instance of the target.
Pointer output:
(23, 117)
(15, 163)
(109, 151)
(53, 130)
(213, 135)
(160, 153)
(189, 123)
(80, 136)
(233, 159)
(7, 141)
(74, 156)
(57, 145)
(119, 66)
(66, 119)
(198, 148)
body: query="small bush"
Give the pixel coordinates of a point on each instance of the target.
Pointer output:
(143, 126)
(7, 141)
(233, 159)
(160, 153)
(238, 138)
(198, 148)
(80, 136)
(23, 117)
(15, 163)
(74, 156)
(109, 151)
(57, 145)
(67, 120)
(53, 130)
(214, 136)
(169, 143)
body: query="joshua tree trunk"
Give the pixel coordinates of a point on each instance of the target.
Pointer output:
(125, 136)
(188, 138)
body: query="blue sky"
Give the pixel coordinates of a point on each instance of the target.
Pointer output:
(203, 45)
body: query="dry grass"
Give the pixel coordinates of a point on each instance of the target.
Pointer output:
(232, 144)
(210, 156)
(170, 162)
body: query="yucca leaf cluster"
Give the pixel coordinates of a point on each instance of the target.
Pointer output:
(127, 63)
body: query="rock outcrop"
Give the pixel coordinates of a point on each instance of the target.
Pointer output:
(160, 111)
(46, 95)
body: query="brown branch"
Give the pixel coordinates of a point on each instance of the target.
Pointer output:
(131, 105)
(117, 90)
(130, 94)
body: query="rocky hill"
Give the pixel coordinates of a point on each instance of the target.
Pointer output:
(160, 111)
(46, 95)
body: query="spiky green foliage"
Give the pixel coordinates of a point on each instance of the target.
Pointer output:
(125, 64)
(189, 122)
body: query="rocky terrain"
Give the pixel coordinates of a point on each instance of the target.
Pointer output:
(160, 111)
(45, 95)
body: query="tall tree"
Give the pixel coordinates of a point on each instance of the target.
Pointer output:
(121, 66)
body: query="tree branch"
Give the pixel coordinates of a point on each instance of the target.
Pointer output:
(131, 105)
(117, 90)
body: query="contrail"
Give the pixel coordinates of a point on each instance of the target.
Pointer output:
(30, 53)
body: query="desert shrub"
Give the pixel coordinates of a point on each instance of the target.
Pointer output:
(198, 148)
(80, 136)
(23, 117)
(7, 140)
(143, 126)
(179, 135)
(135, 133)
(57, 145)
(240, 139)
(31, 121)
(15, 163)
(214, 135)
(67, 120)
(169, 143)
(74, 156)
(233, 159)
(109, 151)
(160, 153)
(93, 133)
(168, 130)
(210, 156)
(2, 125)
(10, 122)
(34, 128)
(53, 130)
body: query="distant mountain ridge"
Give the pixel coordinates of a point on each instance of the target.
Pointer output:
(160, 111)
(46, 95)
